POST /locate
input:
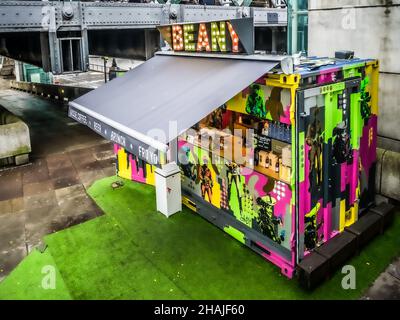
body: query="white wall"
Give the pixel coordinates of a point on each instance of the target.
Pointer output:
(372, 29)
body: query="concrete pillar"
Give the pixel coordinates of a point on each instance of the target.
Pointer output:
(274, 45)
(152, 42)
(19, 72)
(388, 174)
(54, 44)
(85, 50)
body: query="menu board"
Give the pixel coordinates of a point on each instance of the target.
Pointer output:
(263, 142)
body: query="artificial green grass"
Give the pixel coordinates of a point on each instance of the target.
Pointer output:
(206, 263)
(25, 282)
(133, 252)
(98, 261)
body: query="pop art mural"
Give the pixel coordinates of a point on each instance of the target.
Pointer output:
(257, 201)
(337, 137)
(131, 167)
(308, 171)
(262, 101)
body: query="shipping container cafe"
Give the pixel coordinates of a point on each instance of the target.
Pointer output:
(280, 154)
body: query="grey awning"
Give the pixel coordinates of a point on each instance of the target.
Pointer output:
(162, 90)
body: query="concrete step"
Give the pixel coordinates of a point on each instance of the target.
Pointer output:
(388, 174)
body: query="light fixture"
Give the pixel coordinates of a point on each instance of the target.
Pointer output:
(189, 37)
(234, 37)
(202, 40)
(218, 36)
(177, 38)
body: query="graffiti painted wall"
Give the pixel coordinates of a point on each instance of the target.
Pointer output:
(337, 140)
(257, 201)
(264, 102)
(131, 167)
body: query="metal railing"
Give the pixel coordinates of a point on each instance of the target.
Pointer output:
(53, 91)
(98, 68)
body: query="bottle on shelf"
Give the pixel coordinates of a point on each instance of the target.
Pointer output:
(267, 160)
(280, 132)
(287, 133)
(272, 132)
(257, 158)
(266, 129)
(277, 166)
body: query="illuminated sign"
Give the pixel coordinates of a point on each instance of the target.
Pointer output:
(227, 36)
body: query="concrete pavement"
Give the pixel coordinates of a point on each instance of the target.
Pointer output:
(48, 194)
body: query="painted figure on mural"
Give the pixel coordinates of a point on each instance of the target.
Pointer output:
(188, 168)
(274, 104)
(311, 228)
(365, 98)
(255, 104)
(233, 175)
(341, 144)
(216, 118)
(128, 162)
(266, 219)
(314, 139)
(206, 182)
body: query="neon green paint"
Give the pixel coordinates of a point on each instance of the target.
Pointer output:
(233, 201)
(333, 115)
(333, 87)
(356, 123)
(294, 146)
(244, 216)
(235, 233)
(302, 155)
(352, 70)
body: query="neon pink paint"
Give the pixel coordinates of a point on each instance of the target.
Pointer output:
(301, 202)
(353, 176)
(181, 143)
(293, 238)
(285, 118)
(307, 198)
(327, 76)
(137, 173)
(283, 194)
(287, 268)
(261, 182)
(367, 146)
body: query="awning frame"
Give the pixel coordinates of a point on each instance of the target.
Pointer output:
(128, 131)
(145, 147)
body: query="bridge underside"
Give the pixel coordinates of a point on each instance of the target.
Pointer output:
(69, 49)
(60, 36)
(24, 46)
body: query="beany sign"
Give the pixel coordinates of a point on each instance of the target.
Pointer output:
(227, 36)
